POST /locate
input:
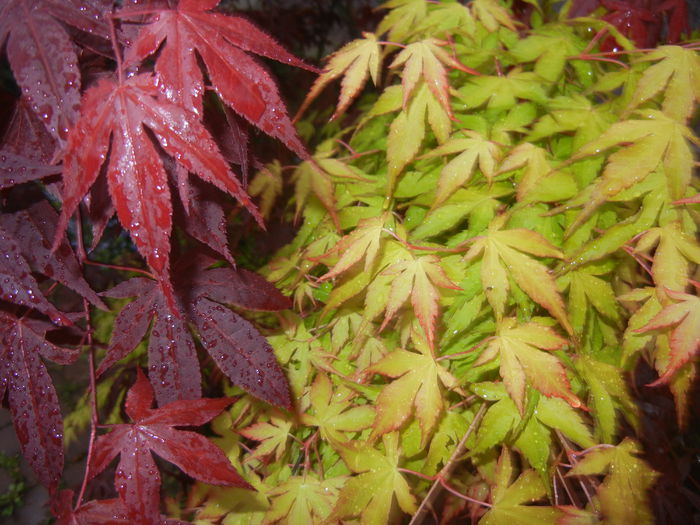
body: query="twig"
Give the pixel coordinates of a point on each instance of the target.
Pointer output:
(446, 471)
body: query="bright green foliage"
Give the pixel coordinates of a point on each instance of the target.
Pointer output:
(491, 237)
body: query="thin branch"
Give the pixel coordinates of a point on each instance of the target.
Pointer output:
(446, 471)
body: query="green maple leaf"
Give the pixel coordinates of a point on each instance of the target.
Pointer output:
(492, 15)
(426, 60)
(506, 249)
(523, 362)
(334, 412)
(370, 494)
(407, 131)
(418, 278)
(502, 92)
(676, 75)
(363, 242)
(607, 393)
(628, 480)
(303, 499)
(402, 19)
(657, 141)
(473, 150)
(503, 416)
(448, 17)
(267, 185)
(355, 62)
(684, 315)
(273, 437)
(674, 253)
(588, 292)
(416, 389)
(510, 499)
(550, 49)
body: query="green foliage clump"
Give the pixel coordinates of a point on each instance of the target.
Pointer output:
(489, 242)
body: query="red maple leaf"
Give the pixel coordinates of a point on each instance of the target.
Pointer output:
(137, 479)
(117, 115)
(31, 395)
(234, 343)
(223, 42)
(42, 55)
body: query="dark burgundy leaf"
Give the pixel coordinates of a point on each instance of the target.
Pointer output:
(15, 169)
(96, 512)
(32, 398)
(206, 220)
(44, 63)
(89, 16)
(33, 230)
(17, 285)
(239, 287)
(173, 363)
(137, 478)
(223, 43)
(241, 352)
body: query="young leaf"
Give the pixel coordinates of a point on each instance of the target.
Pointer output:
(362, 243)
(273, 437)
(356, 61)
(31, 395)
(424, 60)
(418, 278)
(472, 147)
(522, 361)
(510, 499)
(685, 337)
(334, 413)
(417, 388)
(624, 470)
(506, 247)
(380, 472)
(223, 43)
(153, 430)
(677, 75)
(304, 499)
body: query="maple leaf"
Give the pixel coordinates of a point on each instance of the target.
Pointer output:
(273, 436)
(137, 479)
(624, 470)
(677, 75)
(107, 511)
(523, 361)
(304, 499)
(363, 242)
(685, 337)
(334, 412)
(31, 395)
(657, 141)
(137, 180)
(223, 43)
(424, 59)
(501, 247)
(355, 61)
(234, 344)
(418, 278)
(402, 19)
(588, 293)
(502, 92)
(472, 147)
(267, 185)
(42, 56)
(34, 229)
(380, 472)
(417, 387)
(407, 130)
(509, 499)
(550, 49)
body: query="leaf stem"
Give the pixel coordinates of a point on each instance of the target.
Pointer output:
(121, 268)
